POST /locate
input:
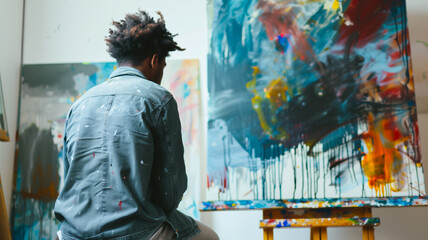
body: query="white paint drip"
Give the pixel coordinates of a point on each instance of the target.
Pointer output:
(348, 23)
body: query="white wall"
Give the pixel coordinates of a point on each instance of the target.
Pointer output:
(10, 61)
(58, 31)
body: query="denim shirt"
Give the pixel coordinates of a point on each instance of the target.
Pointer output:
(124, 167)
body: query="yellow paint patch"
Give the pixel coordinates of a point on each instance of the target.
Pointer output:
(336, 5)
(274, 96)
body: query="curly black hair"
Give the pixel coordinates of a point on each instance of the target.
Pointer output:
(139, 36)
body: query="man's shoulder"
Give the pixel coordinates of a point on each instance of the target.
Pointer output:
(131, 85)
(147, 89)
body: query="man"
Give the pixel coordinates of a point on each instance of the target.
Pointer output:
(124, 167)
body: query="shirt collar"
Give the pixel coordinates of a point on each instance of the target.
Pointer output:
(127, 71)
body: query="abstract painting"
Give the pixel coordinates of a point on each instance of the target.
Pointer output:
(311, 99)
(47, 93)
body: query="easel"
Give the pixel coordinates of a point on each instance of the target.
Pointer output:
(4, 223)
(318, 220)
(317, 214)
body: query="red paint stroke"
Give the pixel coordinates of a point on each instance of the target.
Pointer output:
(391, 131)
(368, 17)
(208, 182)
(93, 154)
(415, 139)
(278, 19)
(394, 94)
(225, 186)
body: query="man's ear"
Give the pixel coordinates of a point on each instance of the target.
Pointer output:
(154, 61)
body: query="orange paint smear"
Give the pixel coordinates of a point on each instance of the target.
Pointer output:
(383, 161)
(276, 92)
(44, 189)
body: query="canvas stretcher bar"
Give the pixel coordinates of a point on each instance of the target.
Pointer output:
(316, 203)
(319, 222)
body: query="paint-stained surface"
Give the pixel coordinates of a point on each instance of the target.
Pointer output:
(47, 93)
(315, 203)
(319, 222)
(311, 99)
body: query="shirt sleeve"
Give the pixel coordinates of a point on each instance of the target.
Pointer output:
(64, 147)
(64, 154)
(169, 171)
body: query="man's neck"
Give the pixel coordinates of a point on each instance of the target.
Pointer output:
(126, 64)
(141, 67)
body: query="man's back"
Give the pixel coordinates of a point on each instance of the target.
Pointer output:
(124, 166)
(123, 161)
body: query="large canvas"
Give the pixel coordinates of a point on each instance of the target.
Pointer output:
(311, 100)
(47, 93)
